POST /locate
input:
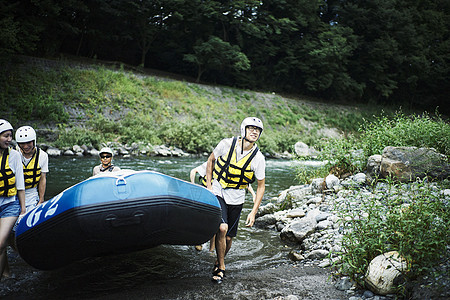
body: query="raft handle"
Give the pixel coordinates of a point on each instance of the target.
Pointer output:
(116, 221)
(121, 179)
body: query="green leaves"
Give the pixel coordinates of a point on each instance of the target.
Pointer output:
(216, 54)
(401, 130)
(411, 219)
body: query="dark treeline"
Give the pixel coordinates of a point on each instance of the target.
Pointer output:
(370, 51)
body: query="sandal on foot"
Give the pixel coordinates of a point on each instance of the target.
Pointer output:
(215, 268)
(218, 276)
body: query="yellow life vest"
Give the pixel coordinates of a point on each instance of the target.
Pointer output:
(32, 171)
(234, 174)
(202, 180)
(7, 177)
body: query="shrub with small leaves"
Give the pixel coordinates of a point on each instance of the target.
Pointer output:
(413, 219)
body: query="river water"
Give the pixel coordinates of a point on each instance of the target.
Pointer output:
(166, 272)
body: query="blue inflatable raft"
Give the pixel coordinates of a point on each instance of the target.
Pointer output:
(117, 212)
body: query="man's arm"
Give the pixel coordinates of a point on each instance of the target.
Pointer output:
(42, 186)
(209, 170)
(252, 192)
(192, 175)
(259, 195)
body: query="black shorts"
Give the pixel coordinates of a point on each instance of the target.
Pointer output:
(230, 215)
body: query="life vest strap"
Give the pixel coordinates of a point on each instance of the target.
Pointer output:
(224, 167)
(32, 175)
(232, 174)
(8, 188)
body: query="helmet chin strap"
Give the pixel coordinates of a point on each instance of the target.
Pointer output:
(34, 146)
(242, 142)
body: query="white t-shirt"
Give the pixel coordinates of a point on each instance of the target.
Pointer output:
(202, 169)
(98, 169)
(32, 194)
(15, 164)
(258, 166)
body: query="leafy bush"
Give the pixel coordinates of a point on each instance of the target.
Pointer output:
(305, 174)
(416, 130)
(412, 219)
(77, 136)
(350, 154)
(192, 136)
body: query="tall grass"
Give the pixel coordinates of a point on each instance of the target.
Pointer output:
(350, 154)
(415, 130)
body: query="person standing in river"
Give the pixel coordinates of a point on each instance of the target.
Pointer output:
(35, 166)
(234, 164)
(35, 169)
(106, 156)
(201, 170)
(12, 191)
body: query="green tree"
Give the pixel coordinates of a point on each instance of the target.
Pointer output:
(326, 60)
(18, 32)
(215, 54)
(148, 20)
(403, 47)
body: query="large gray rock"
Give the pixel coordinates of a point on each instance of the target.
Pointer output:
(77, 149)
(296, 213)
(408, 163)
(297, 231)
(294, 196)
(268, 208)
(68, 153)
(266, 221)
(317, 254)
(331, 181)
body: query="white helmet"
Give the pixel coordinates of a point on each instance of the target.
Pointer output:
(25, 134)
(5, 125)
(106, 150)
(251, 121)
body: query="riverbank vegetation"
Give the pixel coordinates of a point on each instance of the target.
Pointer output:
(411, 219)
(72, 102)
(350, 153)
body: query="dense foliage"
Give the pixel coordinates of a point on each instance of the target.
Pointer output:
(390, 51)
(350, 154)
(72, 103)
(412, 219)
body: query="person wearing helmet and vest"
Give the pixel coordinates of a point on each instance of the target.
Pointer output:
(106, 156)
(12, 191)
(201, 170)
(35, 166)
(234, 164)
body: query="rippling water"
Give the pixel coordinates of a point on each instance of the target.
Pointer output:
(253, 249)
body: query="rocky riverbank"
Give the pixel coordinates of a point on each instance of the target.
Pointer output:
(308, 220)
(135, 149)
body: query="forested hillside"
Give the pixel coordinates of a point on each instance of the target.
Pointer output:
(75, 102)
(383, 51)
